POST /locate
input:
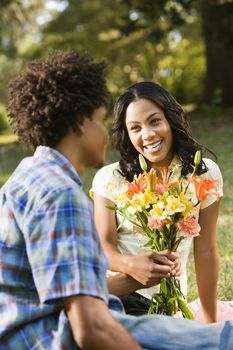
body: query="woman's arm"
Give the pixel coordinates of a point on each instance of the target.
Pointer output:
(207, 261)
(122, 284)
(146, 268)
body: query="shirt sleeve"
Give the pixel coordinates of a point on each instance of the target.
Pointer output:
(213, 173)
(107, 182)
(64, 249)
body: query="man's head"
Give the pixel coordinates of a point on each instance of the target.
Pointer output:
(54, 96)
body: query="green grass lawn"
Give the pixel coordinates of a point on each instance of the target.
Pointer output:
(215, 133)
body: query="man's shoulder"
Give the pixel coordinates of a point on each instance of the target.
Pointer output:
(38, 179)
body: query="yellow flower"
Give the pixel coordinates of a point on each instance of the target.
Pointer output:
(174, 205)
(189, 209)
(149, 197)
(157, 211)
(121, 199)
(137, 202)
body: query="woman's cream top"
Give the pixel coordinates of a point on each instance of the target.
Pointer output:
(108, 182)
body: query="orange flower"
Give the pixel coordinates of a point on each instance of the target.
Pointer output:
(151, 179)
(204, 187)
(136, 186)
(166, 174)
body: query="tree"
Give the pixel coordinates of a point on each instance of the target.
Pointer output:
(154, 40)
(217, 25)
(18, 30)
(217, 19)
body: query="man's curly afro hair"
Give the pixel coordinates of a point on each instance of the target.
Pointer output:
(54, 95)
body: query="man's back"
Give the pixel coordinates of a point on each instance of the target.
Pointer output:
(36, 207)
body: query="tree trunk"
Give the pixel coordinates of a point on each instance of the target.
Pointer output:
(217, 20)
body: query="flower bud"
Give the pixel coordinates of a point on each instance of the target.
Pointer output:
(197, 158)
(142, 162)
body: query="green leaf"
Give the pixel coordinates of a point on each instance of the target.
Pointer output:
(157, 298)
(172, 300)
(163, 286)
(151, 309)
(197, 158)
(149, 243)
(111, 207)
(142, 162)
(186, 312)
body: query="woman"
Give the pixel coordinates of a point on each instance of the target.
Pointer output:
(149, 121)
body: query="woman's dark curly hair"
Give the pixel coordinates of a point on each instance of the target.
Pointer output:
(184, 144)
(54, 95)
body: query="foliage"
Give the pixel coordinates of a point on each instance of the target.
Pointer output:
(160, 40)
(10, 155)
(215, 106)
(3, 119)
(18, 23)
(135, 45)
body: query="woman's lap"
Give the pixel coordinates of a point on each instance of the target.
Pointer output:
(136, 305)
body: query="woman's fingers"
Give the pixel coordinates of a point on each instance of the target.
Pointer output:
(170, 259)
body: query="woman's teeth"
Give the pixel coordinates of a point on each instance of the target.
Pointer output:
(153, 146)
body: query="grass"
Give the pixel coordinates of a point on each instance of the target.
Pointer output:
(11, 152)
(214, 132)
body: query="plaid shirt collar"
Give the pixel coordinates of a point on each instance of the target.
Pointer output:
(54, 155)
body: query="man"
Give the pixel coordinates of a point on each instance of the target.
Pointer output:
(51, 265)
(53, 292)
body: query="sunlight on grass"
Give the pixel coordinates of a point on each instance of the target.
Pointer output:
(6, 139)
(3, 178)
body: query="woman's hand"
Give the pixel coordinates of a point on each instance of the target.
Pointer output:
(150, 267)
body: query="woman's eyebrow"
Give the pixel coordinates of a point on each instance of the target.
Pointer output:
(149, 116)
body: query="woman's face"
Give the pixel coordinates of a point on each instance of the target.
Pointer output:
(149, 132)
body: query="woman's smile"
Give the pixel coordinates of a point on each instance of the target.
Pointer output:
(154, 147)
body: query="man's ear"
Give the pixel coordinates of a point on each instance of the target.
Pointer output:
(81, 129)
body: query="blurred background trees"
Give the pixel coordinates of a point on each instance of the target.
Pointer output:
(185, 45)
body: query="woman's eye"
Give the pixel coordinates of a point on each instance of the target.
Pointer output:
(154, 121)
(135, 128)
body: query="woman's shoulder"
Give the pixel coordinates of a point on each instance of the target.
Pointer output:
(213, 170)
(107, 180)
(108, 171)
(213, 173)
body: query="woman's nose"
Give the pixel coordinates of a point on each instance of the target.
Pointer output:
(148, 133)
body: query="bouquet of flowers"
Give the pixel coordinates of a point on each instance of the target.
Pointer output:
(163, 208)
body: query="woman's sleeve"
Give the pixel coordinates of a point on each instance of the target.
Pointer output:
(213, 173)
(106, 182)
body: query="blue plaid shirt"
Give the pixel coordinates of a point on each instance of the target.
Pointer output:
(49, 250)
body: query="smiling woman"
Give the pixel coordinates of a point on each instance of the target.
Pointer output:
(149, 121)
(149, 132)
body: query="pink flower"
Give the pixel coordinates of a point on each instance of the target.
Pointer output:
(155, 223)
(190, 226)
